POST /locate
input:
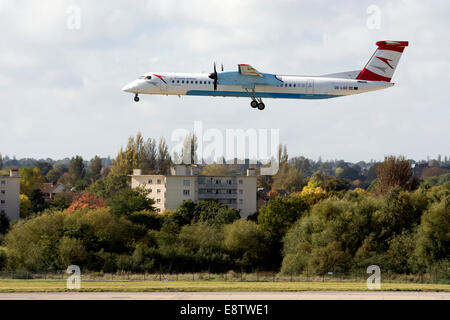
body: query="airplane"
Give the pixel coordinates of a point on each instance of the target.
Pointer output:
(249, 82)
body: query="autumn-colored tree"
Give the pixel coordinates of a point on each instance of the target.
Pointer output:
(272, 194)
(86, 200)
(393, 172)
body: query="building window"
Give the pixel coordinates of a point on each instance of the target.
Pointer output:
(241, 181)
(3, 182)
(2, 201)
(3, 191)
(241, 191)
(186, 192)
(150, 181)
(159, 181)
(158, 210)
(158, 200)
(186, 183)
(158, 190)
(149, 190)
(3, 211)
(241, 201)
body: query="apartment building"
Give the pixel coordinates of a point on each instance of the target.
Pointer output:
(10, 195)
(184, 183)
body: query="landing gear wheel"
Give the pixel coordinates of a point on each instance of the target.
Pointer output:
(261, 106)
(136, 98)
(254, 104)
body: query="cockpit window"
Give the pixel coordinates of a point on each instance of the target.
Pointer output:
(146, 77)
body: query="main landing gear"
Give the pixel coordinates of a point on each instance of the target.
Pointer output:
(256, 102)
(136, 98)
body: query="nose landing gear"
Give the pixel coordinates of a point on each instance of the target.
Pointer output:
(136, 98)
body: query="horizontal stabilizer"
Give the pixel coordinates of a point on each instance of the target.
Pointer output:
(343, 75)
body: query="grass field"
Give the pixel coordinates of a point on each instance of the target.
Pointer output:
(207, 286)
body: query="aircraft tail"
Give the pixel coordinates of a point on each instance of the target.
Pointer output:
(383, 62)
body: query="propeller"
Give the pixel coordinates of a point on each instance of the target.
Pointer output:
(214, 77)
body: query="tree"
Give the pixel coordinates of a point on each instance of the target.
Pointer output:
(4, 223)
(393, 172)
(43, 166)
(149, 158)
(280, 214)
(247, 244)
(109, 186)
(95, 166)
(129, 201)
(163, 157)
(25, 206)
(86, 200)
(30, 179)
(215, 213)
(76, 169)
(37, 200)
(189, 151)
(216, 170)
(433, 242)
(137, 155)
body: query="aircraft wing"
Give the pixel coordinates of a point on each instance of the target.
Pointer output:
(248, 70)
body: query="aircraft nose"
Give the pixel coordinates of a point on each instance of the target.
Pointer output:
(129, 87)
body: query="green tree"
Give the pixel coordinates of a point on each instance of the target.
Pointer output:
(76, 169)
(129, 201)
(109, 186)
(247, 244)
(25, 206)
(215, 213)
(71, 251)
(433, 242)
(37, 200)
(30, 179)
(280, 214)
(95, 167)
(43, 166)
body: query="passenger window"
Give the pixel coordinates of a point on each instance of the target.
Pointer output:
(290, 85)
(294, 84)
(178, 81)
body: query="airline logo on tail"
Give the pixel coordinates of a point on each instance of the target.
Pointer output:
(382, 65)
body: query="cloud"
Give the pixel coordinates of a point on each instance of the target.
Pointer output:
(61, 88)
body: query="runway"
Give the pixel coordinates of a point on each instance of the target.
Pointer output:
(301, 295)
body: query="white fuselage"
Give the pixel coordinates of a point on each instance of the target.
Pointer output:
(290, 87)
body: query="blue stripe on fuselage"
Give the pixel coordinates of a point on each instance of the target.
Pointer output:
(259, 94)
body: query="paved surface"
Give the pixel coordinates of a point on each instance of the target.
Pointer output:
(302, 295)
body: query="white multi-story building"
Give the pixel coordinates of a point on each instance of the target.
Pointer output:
(168, 191)
(10, 195)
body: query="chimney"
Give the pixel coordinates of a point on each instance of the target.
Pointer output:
(14, 172)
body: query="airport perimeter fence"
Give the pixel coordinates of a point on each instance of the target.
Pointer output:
(436, 277)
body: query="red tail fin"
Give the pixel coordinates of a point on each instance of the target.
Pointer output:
(382, 64)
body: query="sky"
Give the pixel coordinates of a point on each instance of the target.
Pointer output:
(63, 64)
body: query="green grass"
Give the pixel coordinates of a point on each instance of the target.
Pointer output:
(207, 286)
